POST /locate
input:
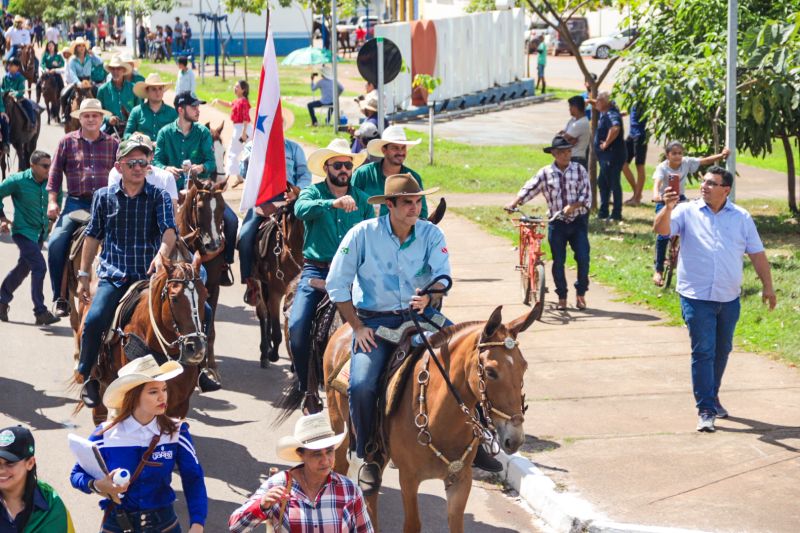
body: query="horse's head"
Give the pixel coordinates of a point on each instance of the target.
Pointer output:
(207, 205)
(218, 146)
(498, 383)
(182, 309)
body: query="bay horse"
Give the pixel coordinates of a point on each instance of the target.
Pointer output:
(167, 321)
(486, 368)
(218, 147)
(27, 58)
(83, 90)
(199, 222)
(49, 87)
(24, 134)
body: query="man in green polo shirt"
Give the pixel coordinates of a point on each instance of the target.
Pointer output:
(328, 209)
(28, 192)
(392, 149)
(116, 96)
(153, 114)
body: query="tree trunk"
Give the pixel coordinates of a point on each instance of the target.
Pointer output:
(790, 174)
(592, 154)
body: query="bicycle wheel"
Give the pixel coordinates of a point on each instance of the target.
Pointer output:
(524, 277)
(672, 261)
(538, 283)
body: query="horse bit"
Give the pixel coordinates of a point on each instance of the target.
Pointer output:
(182, 341)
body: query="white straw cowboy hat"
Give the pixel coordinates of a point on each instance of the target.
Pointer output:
(398, 185)
(80, 41)
(126, 57)
(116, 62)
(90, 105)
(391, 135)
(336, 148)
(152, 80)
(369, 101)
(137, 372)
(311, 432)
(18, 18)
(326, 72)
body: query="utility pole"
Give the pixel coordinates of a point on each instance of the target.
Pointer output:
(334, 53)
(730, 91)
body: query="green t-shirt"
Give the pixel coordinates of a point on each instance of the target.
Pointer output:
(370, 179)
(326, 226)
(11, 84)
(542, 53)
(114, 100)
(52, 61)
(143, 120)
(173, 148)
(30, 205)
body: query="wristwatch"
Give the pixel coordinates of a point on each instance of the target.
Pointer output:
(82, 274)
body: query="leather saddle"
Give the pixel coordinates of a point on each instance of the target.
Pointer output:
(125, 308)
(82, 218)
(263, 237)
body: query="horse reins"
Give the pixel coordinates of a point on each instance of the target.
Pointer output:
(192, 224)
(280, 240)
(188, 283)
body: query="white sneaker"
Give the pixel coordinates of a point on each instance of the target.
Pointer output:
(705, 422)
(721, 411)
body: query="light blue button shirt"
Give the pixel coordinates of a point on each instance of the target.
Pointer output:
(297, 172)
(712, 246)
(385, 274)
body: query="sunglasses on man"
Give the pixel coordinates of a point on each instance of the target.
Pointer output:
(339, 164)
(133, 163)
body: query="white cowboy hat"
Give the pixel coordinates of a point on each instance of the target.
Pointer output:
(137, 372)
(369, 101)
(18, 18)
(90, 105)
(153, 80)
(326, 72)
(80, 41)
(128, 58)
(391, 135)
(311, 432)
(116, 62)
(336, 148)
(66, 50)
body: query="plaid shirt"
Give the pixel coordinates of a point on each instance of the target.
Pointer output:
(339, 508)
(560, 189)
(131, 229)
(85, 163)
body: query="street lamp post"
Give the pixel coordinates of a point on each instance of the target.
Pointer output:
(334, 53)
(730, 91)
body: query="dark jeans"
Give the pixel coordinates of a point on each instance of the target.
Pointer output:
(155, 521)
(306, 300)
(231, 222)
(58, 245)
(30, 261)
(247, 243)
(609, 184)
(576, 234)
(662, 241)
(97, 322)
(711, 326)
(318, 103)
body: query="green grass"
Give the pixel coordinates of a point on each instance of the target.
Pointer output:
(622, 257)
(773, 161)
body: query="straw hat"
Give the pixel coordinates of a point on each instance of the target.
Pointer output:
(311, 432)
(126, 57)
(326, 72)
(18, 18)
(391, 135)
(398, 185)
(80, 41)
(66, 50)
(116, 62)
(288, 118)
(90, 105)
(336, 148)
(369, 101)
(153, 80)
(137, 372)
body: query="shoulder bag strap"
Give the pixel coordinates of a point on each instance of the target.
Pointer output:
(112, 507)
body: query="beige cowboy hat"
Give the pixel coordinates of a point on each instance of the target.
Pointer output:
(288, 118)
(116, 62)
(18, 18)
(128, 58)
(311, 432)
(326, 72)
(369, 101)
(398, 185)
(336, 148)
(66, 50)
(152, 80)
(90, 105)
(137, 372)
(391, 135)
(80, 41)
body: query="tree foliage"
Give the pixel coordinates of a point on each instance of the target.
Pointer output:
(58, 10)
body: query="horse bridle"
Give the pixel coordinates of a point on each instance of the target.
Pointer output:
(280, 216)
(192, 223)
(190, 289)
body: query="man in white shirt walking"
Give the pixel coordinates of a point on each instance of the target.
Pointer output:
(577, 131)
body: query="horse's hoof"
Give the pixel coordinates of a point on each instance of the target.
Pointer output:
(264, 362)
(273, 356)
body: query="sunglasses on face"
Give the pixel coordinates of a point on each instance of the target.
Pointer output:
(132, 163)
(339, 164)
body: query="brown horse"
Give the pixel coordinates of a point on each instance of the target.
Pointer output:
(274, 274)
(199, 221)
(83, 90)
(27, 58)
(167, 320)
(49, 87)
(24, 135)
(486, 368)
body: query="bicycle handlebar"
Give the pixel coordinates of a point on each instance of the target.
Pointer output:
(531, 219)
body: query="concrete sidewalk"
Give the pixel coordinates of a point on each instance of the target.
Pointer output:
(612, 415)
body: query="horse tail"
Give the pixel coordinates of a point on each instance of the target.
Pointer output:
(290, 402)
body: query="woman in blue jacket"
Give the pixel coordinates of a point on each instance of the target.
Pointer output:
(142, 437)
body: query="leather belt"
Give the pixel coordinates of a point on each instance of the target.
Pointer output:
(318, 264)
(366, 313)
(81, 197)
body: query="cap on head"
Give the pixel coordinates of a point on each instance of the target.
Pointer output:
(136, 141)
(186, 98)
(16, 444)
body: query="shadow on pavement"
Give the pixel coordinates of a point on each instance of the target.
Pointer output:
(232, 463)
(49, 331)
(767, 433)
(247, 377)
(237, 315)
(24, 403)
(553, 316)
(202, 404)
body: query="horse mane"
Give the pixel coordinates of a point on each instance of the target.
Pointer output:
(182, 219)
(448, 332)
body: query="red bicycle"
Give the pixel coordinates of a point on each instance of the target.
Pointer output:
(531, 262)
(671, 262)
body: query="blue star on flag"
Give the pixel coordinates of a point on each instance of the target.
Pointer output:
(260, 122)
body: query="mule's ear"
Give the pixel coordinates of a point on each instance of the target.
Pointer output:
(220, 186)
(494, 322)
(197, 262)
(520, 324)
(219, 130)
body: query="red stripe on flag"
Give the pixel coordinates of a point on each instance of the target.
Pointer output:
(273, 179)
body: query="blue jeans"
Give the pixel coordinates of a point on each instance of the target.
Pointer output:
(157, 520)
(306, 300)
(247, 243)
(609, 184)
(97, 322)
(30, 261)
(58, 245)
(231, 226)
(318, 103)
(366, 369)
(711, 326)
(576, 234)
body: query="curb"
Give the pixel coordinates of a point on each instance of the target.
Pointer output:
(564, 511)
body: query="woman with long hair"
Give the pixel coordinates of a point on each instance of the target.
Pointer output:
(142, 440)
(28, 505)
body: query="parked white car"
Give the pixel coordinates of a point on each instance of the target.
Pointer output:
(601, 47)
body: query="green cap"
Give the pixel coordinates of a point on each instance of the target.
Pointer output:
(137, 141)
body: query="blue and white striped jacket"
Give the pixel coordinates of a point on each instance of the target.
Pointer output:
(123, 446)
